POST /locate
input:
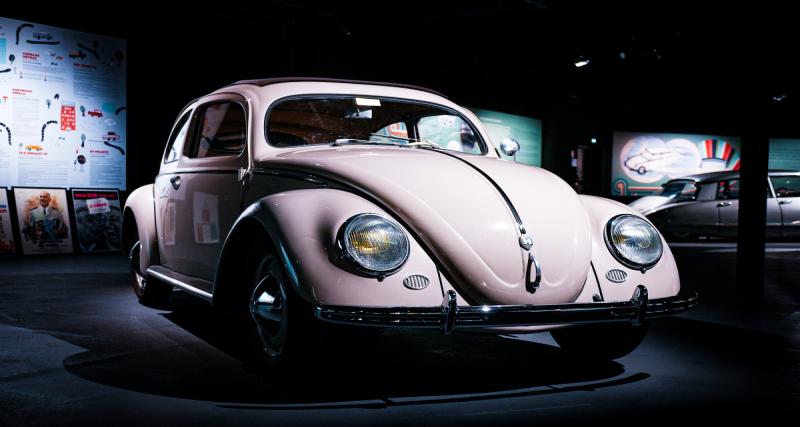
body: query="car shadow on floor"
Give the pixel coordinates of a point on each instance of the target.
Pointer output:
(375, 369)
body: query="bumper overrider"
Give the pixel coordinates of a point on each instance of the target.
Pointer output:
(450, 315)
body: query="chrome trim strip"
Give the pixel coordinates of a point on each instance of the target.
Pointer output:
(177, 283)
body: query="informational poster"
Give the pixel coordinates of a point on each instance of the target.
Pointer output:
(98, 219)
(784, 154)
(62, 107)
(525, 130)
(43, 216)
(642, 162)
(6, 230)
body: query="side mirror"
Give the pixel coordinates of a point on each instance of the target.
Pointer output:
(509, 147)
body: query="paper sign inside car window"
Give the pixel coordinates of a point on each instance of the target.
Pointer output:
(368, 102)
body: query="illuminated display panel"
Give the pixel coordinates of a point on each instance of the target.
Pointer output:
(62, 107)
(642, 162)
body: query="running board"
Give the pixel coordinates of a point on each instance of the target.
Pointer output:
(190, 284)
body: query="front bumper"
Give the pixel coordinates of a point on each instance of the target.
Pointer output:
(450, 316)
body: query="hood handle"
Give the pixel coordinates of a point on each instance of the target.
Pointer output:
(533, 267)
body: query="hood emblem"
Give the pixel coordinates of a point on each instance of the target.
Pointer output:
(526, 242)
(616, 276)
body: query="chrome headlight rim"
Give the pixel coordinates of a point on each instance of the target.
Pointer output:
(618, 255)
(345, 254)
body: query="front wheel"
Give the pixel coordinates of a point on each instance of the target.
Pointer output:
(278, 324)
(605, 341)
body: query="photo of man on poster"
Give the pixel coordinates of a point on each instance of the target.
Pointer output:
(45, 222)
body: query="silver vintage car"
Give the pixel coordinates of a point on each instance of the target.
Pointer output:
(707, 206)
(295, 204)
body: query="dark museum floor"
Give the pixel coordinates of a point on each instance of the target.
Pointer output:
(76, 348)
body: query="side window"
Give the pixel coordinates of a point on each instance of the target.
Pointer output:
(449, 132)
(175, 144)
(220, 130)
(707, 191)
(728, 190)
(786, 186)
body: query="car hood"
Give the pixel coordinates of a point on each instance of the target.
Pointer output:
(462, 218)
(648, 203)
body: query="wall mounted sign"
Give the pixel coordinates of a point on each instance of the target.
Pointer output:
(642, 162)
(98, 219)
(62, 93)
(43, 218)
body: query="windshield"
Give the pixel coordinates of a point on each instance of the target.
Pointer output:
(679, 189)
(339, 120)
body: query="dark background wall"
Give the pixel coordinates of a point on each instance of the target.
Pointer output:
(655, 66)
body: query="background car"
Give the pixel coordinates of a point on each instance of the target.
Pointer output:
(291, 206)
(707, 206)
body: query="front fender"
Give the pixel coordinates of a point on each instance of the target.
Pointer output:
(662, 280)
(140, 207)
(302, 226)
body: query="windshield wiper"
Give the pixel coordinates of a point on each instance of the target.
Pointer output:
(411, 142)
(349, 141)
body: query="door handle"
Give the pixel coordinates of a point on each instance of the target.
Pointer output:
(723, 204)
(784, 202)
(175, 181)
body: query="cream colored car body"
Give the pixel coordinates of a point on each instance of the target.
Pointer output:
(463, 236)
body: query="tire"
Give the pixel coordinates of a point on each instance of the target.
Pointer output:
(603, 342)
(278, 326)
(642, 170)
(150, 292)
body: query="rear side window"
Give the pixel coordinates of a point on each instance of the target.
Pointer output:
(786, 186)
(707, 191)
(220, 130)
(175, 144)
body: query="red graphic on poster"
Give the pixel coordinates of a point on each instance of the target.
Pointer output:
(67, 116)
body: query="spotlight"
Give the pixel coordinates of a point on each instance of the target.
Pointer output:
(582, 62)
(593, 140)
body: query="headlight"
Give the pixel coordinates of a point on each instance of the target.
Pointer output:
(376, 245)
(633, 241)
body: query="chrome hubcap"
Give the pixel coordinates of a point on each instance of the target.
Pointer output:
(268, 307)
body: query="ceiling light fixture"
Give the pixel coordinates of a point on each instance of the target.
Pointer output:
(582, 62)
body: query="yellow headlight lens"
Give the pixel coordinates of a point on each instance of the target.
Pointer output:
(375, 243)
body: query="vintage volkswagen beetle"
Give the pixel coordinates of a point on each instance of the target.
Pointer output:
(297, 203)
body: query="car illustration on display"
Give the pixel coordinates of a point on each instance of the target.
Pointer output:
(706, 206)
(652, 159)
(292, 206)
(95, 113)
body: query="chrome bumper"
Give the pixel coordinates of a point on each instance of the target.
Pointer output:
(449, 315)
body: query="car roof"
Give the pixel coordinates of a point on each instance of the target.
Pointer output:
(726, 175)
(275, 80)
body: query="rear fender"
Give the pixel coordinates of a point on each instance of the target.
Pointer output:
(139, 215)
